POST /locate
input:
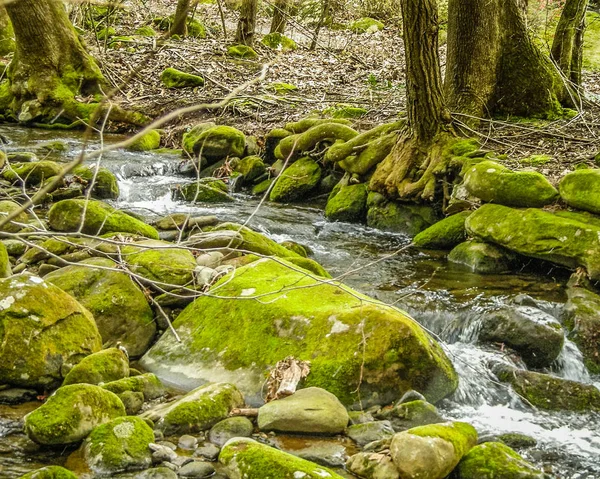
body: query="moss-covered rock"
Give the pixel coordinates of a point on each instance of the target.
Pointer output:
(145, 31)
(50, 472)
(42, 328)
(366, 24)
(411, 414)
(173, 78)
(71, 413)
(398, 217)
(31, 174)
(104, 366)
(100, 218)
(105, 184)
(147, 384)
(229, 428)
(148, 141)
(549, 392)
(372, 465)
(5, 269)
(482, 258)
(242, 51)
(569, 241)
(215, 143)
(444, 234)
(494, 183)
(323, 132)
(7, 207)
(277, 41)
(247, 458)
(305, 318)
(348, 204)
(119, 306)
(297, 181)
(119, 445)
(311, 410)
(194, 28)
(432, 451)
(580, 190)
(198, 410)
(250, 167)
(205, 190)
(494, 460)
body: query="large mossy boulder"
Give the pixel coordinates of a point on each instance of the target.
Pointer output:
(100, 218)
(483, 258)
(216, 142)
(50, 472)
(309, 411)
(198, 410)
(249, 459)
(398, 217)
(549, 392)
(31, 174)
(104, 366)
(432, 451)
(297, 181)
(494, 183)
(173, 78)
(71, 413)
(498, 461)
(42, 329)
(444, 234)
(348, 203)
(571, 240)
(298, 315)
(118, 446)
(8, 207)
(250, 168)
(105, 184)
(537, 336)
(119, 306)
(581, 190)
(5, 269)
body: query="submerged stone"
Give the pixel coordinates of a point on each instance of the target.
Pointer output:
(483, 258)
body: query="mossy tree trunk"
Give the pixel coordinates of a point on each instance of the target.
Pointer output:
(7, 35)
(415, 163)
(493, 66)
(280, 12)
(567, 48)
(247, 22)
(179, 26)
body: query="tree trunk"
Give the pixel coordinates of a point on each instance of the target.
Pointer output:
(280, 12)
(412, 168)
(247, 22)
(567, 47)
(7, 35)
(493, 66)
(179, 26)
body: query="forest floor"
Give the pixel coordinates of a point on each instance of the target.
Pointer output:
(362, 70)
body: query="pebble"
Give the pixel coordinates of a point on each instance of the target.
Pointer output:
(212, 259)
(197, 469)
(187, 442)
(161, 453)
(208, 451)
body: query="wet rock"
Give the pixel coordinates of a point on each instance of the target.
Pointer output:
(148, 141)
(148, 384)
(517, 441)
(119, 306)
(104, 366)
(17, 395)
(14, 248)
(250, 168)
(229, 428)
(196, 469)
(372, 465)
(133, 401)
(173, 78)
(216, 142)
(368, 432)
(50, 472)
(249, 459)
(433, 451)
(198, 410)
(187, 442)
(398, 217)
(549, 392)
(156, 473)
(410, 396)
(323, 451)
(7, 207)
(444, 234)
(360, 417)
(296, 182)
(338, 321)
(105, 184)
(411, 414)
(502, 460)
(119, 445)
(579, 189)
(311, 410)
(212, 259)
(162, 453)
(71, 413)
(100, 218)
(208, 451)
(349, 203)
(42, 328)
(31, 174)
(483, 258)
(204, 190)
(534, 334)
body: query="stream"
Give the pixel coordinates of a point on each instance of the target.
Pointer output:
(447, 301)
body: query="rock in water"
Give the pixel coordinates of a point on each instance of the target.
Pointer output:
(494, 459)
(302, 317)
(71, 413)
(310, 410)
(580, 190)
(431, 452)
(119, 445)
(482, 258)
(42, 328)
(104, 366)
(372, 465)
(251, 460)
(297, 181)
(229, 428)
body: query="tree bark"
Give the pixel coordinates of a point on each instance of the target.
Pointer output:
(411, 170)
(7, 35)
(247, 23)
(280, 12)
(567, 47)
(493, 66)
(179, 26)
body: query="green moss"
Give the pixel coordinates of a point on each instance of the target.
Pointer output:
(580, 188)
(71, 413)
(7, 207)
(310, 122)
(106, 185)
(251, 168)
(297, 181)
(104, 366)
(366, 24)
(67, 215)
(147, 384)
(591, 42)
(399, 217)
(205, 190)
(32, 174)
(145, 31)
(262, 187)
(464, 147)
(277, 41)
(582, 317)
(483, 258)
(282, 88)
(293, 146)
(536, 160)
(252, 460)
(215, 142)
(242, 51)
(309, 265)
(444, 234)
(374, 153)
(194, 28)
(492, 460)
(119, 445)
(461, 435)
(172, 78)
(148, 141)
(5, 270)
(342, 110)
(50, 472)
(348, 204)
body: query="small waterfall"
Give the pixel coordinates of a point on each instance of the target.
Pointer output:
(569, 364)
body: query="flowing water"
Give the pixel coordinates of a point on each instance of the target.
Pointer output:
(447, 301)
